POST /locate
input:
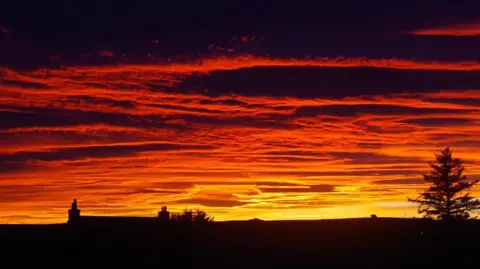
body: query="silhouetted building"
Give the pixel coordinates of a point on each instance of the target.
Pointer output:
(164, 215)
(74, 212)
(74, 217)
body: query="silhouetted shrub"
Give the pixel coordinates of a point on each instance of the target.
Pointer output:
(192, 216)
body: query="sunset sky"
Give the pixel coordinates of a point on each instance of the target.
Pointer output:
(284, 111)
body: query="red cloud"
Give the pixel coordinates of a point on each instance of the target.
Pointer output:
(106, 53)
(4, 30)
(206, 65)
(451, 30)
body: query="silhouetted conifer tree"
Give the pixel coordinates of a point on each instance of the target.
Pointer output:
(446, 197)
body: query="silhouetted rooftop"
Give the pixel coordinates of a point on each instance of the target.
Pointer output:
(115, 220)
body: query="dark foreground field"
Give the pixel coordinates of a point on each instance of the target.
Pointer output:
(374, 243)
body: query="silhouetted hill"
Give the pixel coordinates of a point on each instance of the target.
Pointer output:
(376, 243)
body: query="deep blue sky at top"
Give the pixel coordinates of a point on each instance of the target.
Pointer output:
(38, 29)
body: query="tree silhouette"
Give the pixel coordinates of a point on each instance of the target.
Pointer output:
(192, 216)
(446, 198)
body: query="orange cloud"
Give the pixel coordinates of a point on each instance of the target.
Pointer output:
(472, 29)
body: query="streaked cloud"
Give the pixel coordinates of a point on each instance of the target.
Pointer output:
(209, 202)
(224, 135)
(312, 188)
(402, 181)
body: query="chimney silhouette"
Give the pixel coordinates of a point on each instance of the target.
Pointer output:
(164, 215)
(74, 212)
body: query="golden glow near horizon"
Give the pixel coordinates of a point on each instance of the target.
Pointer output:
(127, 139)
